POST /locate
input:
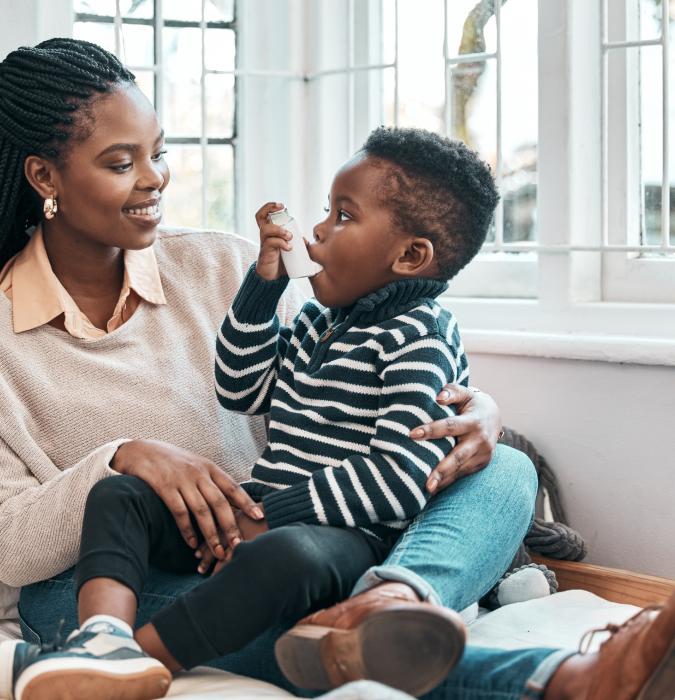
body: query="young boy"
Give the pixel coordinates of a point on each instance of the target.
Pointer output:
(340, 477)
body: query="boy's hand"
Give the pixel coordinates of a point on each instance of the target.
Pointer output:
(273, 239)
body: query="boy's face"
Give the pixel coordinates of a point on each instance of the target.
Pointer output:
(356, 243)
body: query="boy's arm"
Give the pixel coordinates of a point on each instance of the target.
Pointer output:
(385, 481)
(250, 346)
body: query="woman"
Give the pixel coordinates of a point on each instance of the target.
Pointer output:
(106, 349)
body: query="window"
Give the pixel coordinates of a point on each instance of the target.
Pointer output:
(183, 55)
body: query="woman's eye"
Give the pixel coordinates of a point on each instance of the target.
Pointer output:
(159, 156)
(121, 168)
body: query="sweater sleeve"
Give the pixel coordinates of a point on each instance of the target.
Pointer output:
(41, 511)
(387, 481)
(250, 346)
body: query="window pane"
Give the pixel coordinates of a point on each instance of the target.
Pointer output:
(472, 27)
(634, 20)
(95, 7)
(137, 8)
(219, 105)
(137, 43)
(519, 119)
(220, 188)
(219, 49)
(219, 10)
(96, 32)
(182, 72)
(180, 9)
(183, 197)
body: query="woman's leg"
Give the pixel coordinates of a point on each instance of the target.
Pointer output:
(463, 541)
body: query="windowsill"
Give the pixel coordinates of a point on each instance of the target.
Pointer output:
(642, 334)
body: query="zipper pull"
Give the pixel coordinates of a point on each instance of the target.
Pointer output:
(326, 334)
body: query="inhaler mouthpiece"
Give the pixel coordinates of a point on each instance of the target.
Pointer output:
(297, 261)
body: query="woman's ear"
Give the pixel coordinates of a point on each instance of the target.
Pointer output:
(41, 175)
(415, 258)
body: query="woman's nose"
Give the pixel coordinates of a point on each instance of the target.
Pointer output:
(152, 177)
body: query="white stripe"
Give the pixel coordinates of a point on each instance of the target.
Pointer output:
(346, 444)
(339, 498)
(356, 365)
(388, 494)
(360, 491)
(236, 395)
(412, 388)
(316, 502)
(385, 447)
(307, 323)
(247, 327)
(263, 393)
(433, 343)
(284, 466)
(237, 373)
(398, 336)
(322, 420)
(236, 350)
(403, 430)
(464, 375)
(417, 367)
(407, 480)
(422, 329)
(301, 353)
(323, 403)
(416, 411)
(312, 457)
(302, 378)
(271, 484)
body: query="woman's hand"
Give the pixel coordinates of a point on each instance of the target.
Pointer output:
(273, 239)
(477, 427)
(249, 529)
(189, 484)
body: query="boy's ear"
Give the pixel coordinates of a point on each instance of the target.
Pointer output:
(415, 258)
(41, 175)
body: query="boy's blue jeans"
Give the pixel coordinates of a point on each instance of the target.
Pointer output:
(453, 553)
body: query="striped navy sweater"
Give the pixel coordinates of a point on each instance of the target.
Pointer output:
(343, 387)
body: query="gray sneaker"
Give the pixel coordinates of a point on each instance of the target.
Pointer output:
(101, 662)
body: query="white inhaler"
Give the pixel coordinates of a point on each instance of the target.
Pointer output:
(297, 261)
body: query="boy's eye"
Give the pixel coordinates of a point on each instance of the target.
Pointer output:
(342, 215)
(326, 209)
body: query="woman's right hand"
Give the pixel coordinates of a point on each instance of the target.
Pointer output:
(273, 239)
(189, 484)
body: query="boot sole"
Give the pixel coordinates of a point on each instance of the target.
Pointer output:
(661, 684)
(409, 649)
(59, 683)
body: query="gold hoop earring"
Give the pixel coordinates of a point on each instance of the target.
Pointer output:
(50, 207)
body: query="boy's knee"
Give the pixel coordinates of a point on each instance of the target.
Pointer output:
(113, 488)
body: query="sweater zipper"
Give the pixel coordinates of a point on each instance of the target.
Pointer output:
(327, 333)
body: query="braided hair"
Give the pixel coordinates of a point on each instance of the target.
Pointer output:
(46, 93)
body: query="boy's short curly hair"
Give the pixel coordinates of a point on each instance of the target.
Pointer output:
(437, 188)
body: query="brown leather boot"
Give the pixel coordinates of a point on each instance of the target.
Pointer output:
(638, 661)
(385, 634)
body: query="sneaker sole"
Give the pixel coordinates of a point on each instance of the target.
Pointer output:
(136, 679)
(661, 684)
(409, 649)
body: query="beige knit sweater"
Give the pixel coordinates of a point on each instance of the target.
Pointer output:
(67, 404)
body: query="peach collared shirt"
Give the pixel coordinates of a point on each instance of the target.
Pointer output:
(38, 297)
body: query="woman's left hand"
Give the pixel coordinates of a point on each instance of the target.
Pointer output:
(477, 427)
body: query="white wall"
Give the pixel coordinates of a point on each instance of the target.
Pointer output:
(608, 432)
(27, 22)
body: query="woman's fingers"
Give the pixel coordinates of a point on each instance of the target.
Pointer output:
(264, 211)
(201, 511)
(181, 514)
(460, 462)
(222, 510)
(235, 494)
(451, 426)
(455, 394)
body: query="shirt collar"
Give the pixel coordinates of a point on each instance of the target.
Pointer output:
(38, 297)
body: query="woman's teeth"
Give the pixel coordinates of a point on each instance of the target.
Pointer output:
(145, 211)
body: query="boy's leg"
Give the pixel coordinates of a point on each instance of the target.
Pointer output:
(276, 578)
(460, 545)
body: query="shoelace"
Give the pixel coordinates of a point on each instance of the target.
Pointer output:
(587, 639)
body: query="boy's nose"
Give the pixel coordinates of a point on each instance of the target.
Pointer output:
(317, 231)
